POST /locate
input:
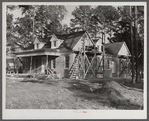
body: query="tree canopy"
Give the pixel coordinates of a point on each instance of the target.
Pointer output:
(42, 21)
(94, 20)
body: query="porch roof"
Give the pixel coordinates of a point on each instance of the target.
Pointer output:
(44, 51)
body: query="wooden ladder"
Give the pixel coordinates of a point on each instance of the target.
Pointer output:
(74, 69)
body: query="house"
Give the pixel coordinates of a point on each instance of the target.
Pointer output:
(116, 59)
(57, 54)
(73, 56)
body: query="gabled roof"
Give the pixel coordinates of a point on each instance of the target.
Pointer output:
(70, 40)
(47, 45)
(95, 40)
(39, 40)
(114, 48)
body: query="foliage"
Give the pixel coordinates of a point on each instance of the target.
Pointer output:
(49, 19)
(41, 21)
(123, 32)
(81, 17)
(94, 20)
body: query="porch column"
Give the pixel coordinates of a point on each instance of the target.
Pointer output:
(47, 63)
(17, 65)
(31, 65)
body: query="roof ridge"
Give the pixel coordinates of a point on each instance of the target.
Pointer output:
(71, 33)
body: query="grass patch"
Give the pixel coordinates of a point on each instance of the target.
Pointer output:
(55, 94)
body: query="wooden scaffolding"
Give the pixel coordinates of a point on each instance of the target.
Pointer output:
(125, 65)
(85, 63)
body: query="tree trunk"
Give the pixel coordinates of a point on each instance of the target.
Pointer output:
(136, 39)
(132, 49)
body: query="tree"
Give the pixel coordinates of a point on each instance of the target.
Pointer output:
(82, 15)
(94, 20)
(105, 17)
(40, 21)
(123, 32)
(50, 18)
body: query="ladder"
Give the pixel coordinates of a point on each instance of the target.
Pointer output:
(74, 69)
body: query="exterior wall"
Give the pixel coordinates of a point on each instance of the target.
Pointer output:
(124, 50)
(107, 71)
(88, 42)
(40, 45)
(39, 64)
(71, 60)
(61, 67)
(59, 63)
(58, 42)
(116, 60)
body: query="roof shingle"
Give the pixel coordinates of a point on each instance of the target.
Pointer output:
(70, 40)
(113, 48)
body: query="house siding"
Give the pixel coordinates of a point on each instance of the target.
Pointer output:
(38, 66)
(71, 61)
(88, 42)
(59, 66)
(116, 60)
(40, 45)
(107, 71)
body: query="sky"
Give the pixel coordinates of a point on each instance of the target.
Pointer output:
(68, 16)
(17, 13)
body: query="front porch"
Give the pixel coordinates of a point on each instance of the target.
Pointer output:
(37, 61)
(38, 64)
(44, 61)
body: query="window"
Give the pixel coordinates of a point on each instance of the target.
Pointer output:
(67, 62)
(54, 43)
(37, 45)
(54, 63)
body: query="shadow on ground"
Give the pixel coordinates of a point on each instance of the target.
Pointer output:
(104, 96)
(51, 82)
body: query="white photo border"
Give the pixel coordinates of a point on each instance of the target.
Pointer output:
(71, 114)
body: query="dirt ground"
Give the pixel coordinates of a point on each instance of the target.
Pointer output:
(61, 94)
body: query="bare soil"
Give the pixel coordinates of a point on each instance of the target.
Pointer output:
(69, 94)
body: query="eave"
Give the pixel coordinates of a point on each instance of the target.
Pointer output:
(39, 52)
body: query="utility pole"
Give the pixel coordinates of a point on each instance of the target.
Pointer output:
(136, 40)
(132, 48)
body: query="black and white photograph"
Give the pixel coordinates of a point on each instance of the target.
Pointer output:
(79, 60)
